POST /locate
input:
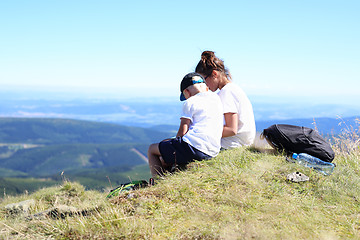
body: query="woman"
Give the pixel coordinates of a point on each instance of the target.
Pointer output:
(239, 127)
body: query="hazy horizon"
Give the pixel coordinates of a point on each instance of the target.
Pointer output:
(149, 111)
(8, 92)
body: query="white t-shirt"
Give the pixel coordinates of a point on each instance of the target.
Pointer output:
(205, 113)
(234, 100)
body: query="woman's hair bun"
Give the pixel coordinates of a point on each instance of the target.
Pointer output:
(208, 55)
(209, 59)
(210, 62)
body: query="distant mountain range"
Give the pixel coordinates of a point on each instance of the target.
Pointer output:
(66, 131)
(42, 147)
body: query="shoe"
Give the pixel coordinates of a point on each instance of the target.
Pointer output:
(151, 182)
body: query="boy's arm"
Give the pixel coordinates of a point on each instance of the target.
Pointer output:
(184, 127)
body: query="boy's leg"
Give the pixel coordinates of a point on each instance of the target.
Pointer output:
(155, 163)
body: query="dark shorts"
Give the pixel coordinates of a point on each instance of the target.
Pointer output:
(177, 151)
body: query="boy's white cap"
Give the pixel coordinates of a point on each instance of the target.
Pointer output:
(188, 80)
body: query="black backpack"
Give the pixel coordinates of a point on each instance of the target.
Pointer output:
(294, 139)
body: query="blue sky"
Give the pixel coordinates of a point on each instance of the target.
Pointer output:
(281, 50)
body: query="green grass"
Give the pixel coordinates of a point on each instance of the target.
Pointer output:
(240, 194)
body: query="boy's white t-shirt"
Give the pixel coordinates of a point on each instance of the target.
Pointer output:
(205, 113)
(234, 100)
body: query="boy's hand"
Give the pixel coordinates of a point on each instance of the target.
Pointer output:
(184, 127)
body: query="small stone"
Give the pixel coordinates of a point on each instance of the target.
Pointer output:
(20, 207)
(297, 177)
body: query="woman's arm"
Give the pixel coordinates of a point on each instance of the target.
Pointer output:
(231, 124)
(184, 127)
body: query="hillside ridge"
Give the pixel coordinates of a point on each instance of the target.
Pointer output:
(240, 194)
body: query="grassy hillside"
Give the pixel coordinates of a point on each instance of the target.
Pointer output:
(240, 194)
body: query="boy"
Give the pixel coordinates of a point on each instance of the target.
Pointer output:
(200, 128)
